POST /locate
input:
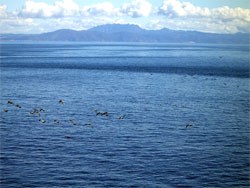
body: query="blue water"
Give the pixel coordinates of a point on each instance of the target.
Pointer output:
(155, 89)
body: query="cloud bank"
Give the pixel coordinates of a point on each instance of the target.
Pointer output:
(41, 17)
(137, 8)
(64, 8)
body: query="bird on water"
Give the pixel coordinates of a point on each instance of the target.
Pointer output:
(73, 121)
(68, 137)
(18, 106)
(101, 113)
(10, 102)
(121, 117)
(56, 121)
(189, 125)
(61, 101)
(42, 120)
(35, 111)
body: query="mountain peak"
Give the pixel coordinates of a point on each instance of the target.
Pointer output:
(116, 28)
(132, 33)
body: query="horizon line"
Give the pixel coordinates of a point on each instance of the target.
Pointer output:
(129, 24)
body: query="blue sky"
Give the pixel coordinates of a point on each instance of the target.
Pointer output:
(16, 4)
(36, 16)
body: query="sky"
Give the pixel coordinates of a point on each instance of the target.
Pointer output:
(38, 16)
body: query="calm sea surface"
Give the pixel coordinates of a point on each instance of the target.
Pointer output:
(177, 115)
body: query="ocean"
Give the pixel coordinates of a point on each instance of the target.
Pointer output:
(124, 115)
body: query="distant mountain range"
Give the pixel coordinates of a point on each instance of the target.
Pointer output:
(130, 33)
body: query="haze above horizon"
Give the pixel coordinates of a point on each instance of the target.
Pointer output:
(38, 16)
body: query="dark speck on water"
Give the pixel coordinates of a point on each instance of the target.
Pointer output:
(168, 115)
(68, 137)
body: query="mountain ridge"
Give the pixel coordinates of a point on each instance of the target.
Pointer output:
(130, 33)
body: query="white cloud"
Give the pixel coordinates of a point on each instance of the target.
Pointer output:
(222, 19)
(11, 23)
(174, 14)
(100, 9)
(17, 22)
(175, 8)
(137, 8)
(38, 10)
(3, 11)
(204, 25)
(68, 14)
(76, 23)
(227, 13)
(43, 10)
(67, 8)
(17, 25)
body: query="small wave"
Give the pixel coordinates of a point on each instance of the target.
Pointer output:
(238, 72)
